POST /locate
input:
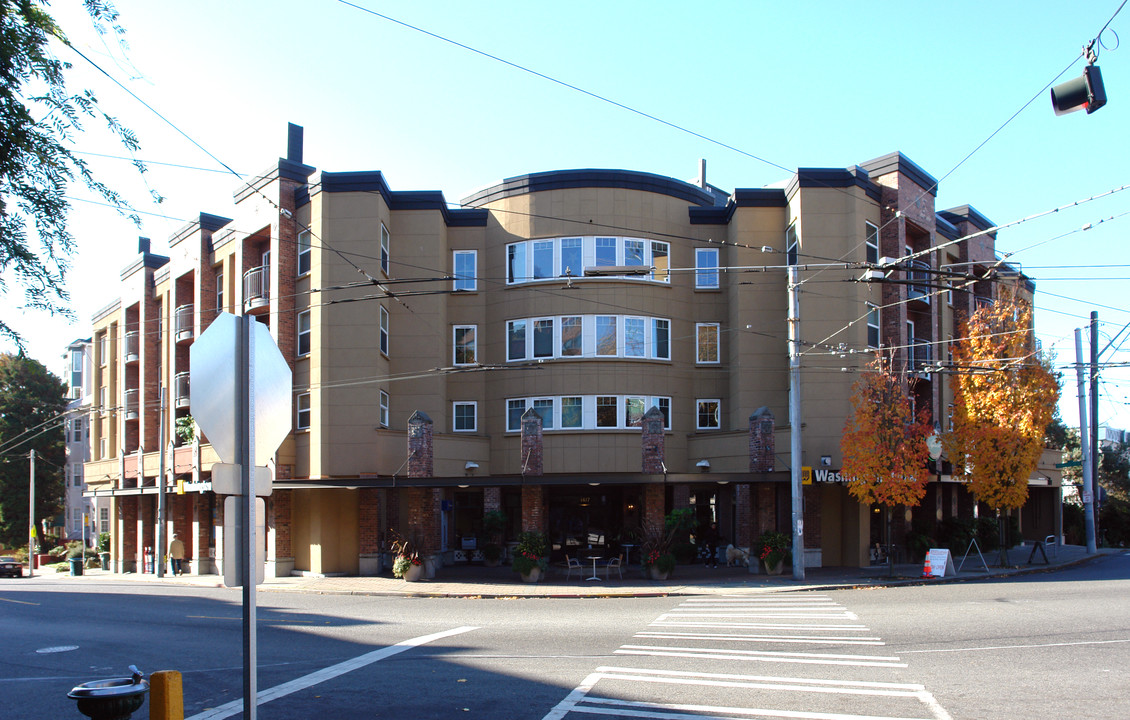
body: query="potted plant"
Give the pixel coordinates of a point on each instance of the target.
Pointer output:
(530, 559)
(407, 563)
(104, 550)
(494, 524)
(775, 548)
(657, 542)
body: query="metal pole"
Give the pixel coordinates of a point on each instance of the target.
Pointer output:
(162, 507)
(245, 452)
(31, 519)
(1096, 449)
(1085, 446)
(794, 423)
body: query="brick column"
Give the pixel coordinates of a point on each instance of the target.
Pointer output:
(762, 446)
(766, 509)
(146, 525)
(422, 507)
(127, 534)
(369, 531)
(535, 510)
(654, 501)
(652, 442)
(420, 461)
(280, 553)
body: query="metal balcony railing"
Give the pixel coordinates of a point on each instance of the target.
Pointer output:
(131, 404)
(980, 301)
(183, 322)
(131, 346)
(918, 273)
(921, 353)
(256, 288)
(180, 390)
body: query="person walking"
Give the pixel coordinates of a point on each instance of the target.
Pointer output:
(710, 540)
(176, 554)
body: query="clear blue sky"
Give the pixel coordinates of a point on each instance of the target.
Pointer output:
(818, 84)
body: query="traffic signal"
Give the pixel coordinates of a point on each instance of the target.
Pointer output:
(1082, 93)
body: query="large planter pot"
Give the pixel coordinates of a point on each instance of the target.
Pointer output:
(655, 573)
(774, 569)
(532, 576)
(414, 573)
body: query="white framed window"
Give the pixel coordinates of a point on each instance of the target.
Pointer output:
(706, 268)
(661, 261)
(384, 409)
(606, 254)
(103, 519)
(103, 448)
(664, 405)
(571, 253)
(103, 401)
(634, 408)
(465, 263)
(302, 412)
(543, 338)
(385, 240)
(607, 411)
(633, 252)
(543, 259)
(707, 343)
(572, 413)
(103, 349)
(464, 416)
(384, 330)
(606, 335)
(304, 252)
(514, 411)
(516, 340)
(76, 430)
(872, 326)
(792, 245)
(516, 263)
(571, 344)
(76, 474)
(871, 240)
(634, 337)
(661, 339)
(303, 333)
(709, 416)
(76, 361)
(544, 408)
(465, 344)
(219, 292)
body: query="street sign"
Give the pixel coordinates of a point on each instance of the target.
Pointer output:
(226, 480)
(1069, 463)
(233, 568)
(213, 378)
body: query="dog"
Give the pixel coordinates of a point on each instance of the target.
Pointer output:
(736, 556)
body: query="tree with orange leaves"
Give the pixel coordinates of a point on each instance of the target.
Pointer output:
(884, 443)
(1005, 395)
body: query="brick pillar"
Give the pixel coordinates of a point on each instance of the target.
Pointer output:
(146, 525)
(127, 534)
(762, 446)
(743, 507)
(422, 507)
(653, 442)
(535, 510)
(653, 505)
(420, 461)
(680, 496)
(531, 444)
(492, 499)
(766, 508)
(812, 516)
(369, 531)
(280, 521)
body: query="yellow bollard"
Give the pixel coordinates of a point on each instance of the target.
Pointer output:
(166, 697)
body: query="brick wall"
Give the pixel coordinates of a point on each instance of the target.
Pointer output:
(420, 462)
(680, 496)
(654, 501)
(652, 442)
(423, 519)
(127, 527)
(766, 513)
(280, 521)
(531, 444)
(762, 445)
(492, 499)
(535, 510)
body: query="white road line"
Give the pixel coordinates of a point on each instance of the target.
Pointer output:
(235, 707)
(579, 700)
(772, 615)
(729, 637)
(1017, 647)
(765, 653)
(761, 626)
(755, 656)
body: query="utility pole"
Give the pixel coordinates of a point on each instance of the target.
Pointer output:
(1085, 443)
(1096, 450)
(795, 459)
(162, 500)
(31, 519)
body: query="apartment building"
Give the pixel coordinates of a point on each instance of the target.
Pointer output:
(77, 509)
(581, 349)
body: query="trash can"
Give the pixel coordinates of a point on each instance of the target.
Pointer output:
(76, 565)
(104, 558)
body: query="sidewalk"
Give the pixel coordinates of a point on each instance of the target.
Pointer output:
(476, 581)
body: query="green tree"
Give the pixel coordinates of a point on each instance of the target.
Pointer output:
(32, 401)
(39, 119)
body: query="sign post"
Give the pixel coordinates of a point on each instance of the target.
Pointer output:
(239, 377)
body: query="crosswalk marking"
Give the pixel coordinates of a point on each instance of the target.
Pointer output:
(754, 626)
(761, 656)
(805, 639)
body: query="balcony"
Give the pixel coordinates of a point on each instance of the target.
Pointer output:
(982, 301)
(183, 323)
(131, 346)
(921, 354)
(918, 276)
(257, 289)
(180, 390)
(132, 409)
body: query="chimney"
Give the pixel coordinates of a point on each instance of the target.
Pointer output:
(294, 142)
(143, 245)
(702, 173)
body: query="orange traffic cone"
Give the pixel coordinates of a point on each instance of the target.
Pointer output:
(926, 570)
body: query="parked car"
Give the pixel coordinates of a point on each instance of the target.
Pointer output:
(10, 567)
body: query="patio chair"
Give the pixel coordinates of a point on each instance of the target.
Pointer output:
(571, 564)
(615, 563)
